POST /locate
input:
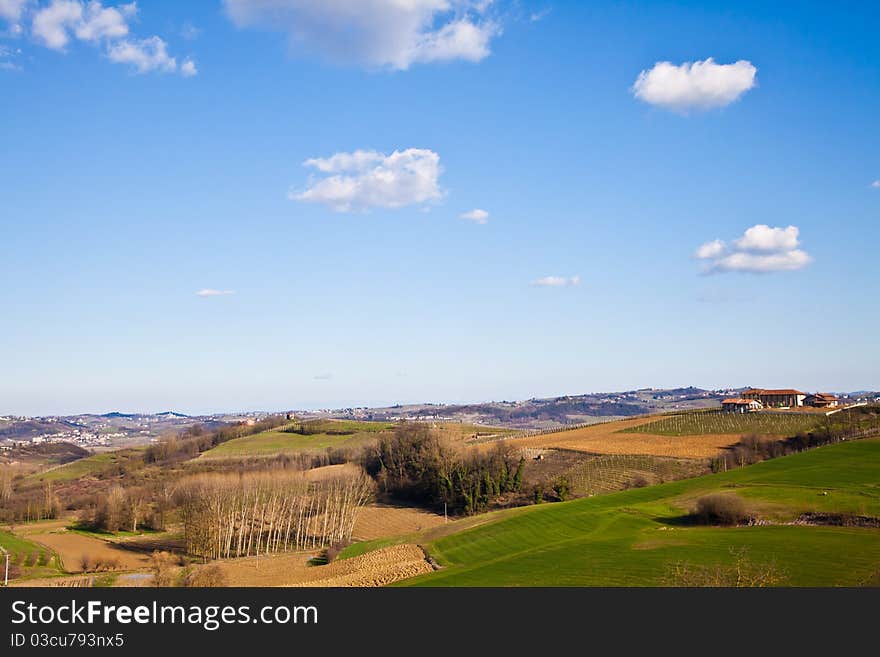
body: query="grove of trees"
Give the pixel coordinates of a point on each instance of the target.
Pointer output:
(230, 515)
(415, 463)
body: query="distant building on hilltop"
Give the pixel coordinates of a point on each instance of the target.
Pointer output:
(822, 400)
(738, 405)
(785, 398)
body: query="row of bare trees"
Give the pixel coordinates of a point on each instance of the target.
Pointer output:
(228, 515)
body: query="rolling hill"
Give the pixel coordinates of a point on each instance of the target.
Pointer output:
(639, 537)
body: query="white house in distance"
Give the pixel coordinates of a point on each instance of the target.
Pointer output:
(738, 405)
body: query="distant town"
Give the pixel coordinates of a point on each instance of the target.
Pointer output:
(115, 430)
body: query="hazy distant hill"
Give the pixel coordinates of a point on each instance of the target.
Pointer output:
(548, 412)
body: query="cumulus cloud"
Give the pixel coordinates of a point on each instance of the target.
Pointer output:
(761, 263)
(697, 85)
(765, 238)
(557, 281)
(761, 249)
(476, 215)
(58, 23)
(145, 55)
(367, 179)
(55, 24)
(376, 33)
(210, 292)
(188, 68)
(12, 11)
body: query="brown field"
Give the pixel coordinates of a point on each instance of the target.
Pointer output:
(331, 471)
(607, 439)
(71, 547)
(376, 568)
(380, 521)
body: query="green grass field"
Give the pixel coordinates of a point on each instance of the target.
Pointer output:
(717, 422)
(30, 559)
(88, 466)
(272, 442)
(634, 537)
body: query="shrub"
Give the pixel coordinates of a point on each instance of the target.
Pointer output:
(86, 563)
(333, 551)
(106, 563)
(742, 572)
(719, 509)
(639, 481)
(204, 577)
(166, 570)
(562, 489)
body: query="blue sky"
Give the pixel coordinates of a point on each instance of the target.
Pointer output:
(156, 151)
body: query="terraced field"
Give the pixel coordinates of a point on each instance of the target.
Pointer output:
(615, 472)
(637, 537)
(617, 438)
(717, 422)
(378, 568)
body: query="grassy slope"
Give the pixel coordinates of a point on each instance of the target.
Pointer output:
(631, 538)
(90, 465)
(19, 548)
(279, 442)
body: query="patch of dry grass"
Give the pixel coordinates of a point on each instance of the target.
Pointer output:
(609, 438)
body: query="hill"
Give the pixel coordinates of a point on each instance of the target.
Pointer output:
(299, 437)
(644, 537)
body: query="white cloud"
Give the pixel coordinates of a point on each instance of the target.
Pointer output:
(366, 179)
(537, 16)
(762, 262)
(476, 215)
(59, 22)
(324, 376)
(376, 33)
(764, 238)
(145, 55)
(209, 292)
(694, 85)
(711, 249)
(55, 24)
(557, 281)
(188, 68)
(52, 24)
(12, 12)
(876, 183)
(7, 58)
(761, 249)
